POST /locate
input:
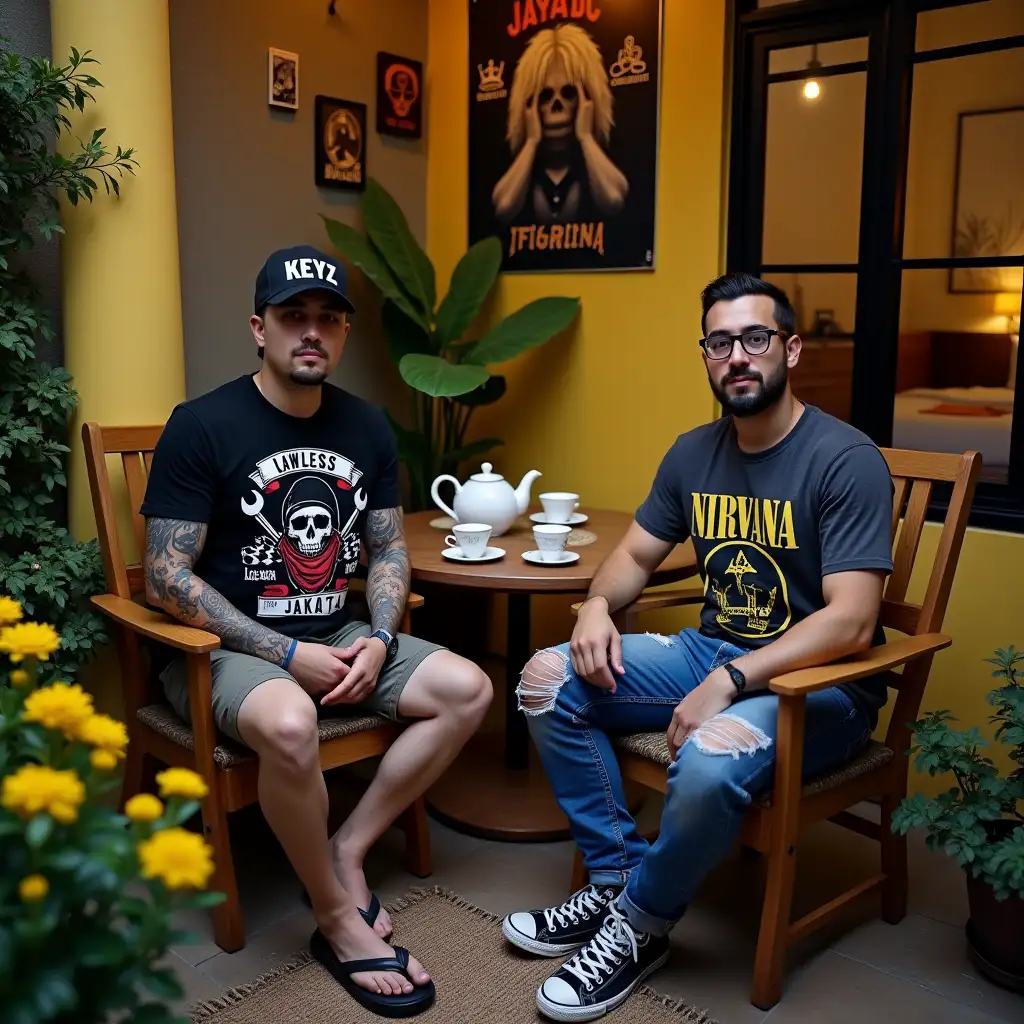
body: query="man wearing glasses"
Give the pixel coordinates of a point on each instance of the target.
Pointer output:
(789, 511)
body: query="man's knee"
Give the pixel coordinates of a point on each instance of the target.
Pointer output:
(541, 680)
(468, 691)
(284, 732)
(448, 684)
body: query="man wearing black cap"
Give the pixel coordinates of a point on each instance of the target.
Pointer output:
(260, 494)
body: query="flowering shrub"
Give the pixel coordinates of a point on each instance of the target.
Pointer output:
(86, 894)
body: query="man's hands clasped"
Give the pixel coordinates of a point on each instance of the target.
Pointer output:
(343, 675)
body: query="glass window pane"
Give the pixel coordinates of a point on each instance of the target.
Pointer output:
(969, 23)
(825, 306)
(798, 58)
(966, 157)
(956, 370)
(813, 161)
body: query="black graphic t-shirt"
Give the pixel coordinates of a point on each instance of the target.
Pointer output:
(284, 497)
(768, 526)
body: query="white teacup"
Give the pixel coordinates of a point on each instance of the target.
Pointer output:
(470, 538)
(559, 505)
(551, 540)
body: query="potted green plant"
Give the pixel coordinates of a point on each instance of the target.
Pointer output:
(979, 821)
(41, 564)
(447, 370)
(86, 894)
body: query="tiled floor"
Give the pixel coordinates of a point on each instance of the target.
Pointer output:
(862, 972)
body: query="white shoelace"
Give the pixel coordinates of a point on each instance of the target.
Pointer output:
(582, 904)
(615, 940)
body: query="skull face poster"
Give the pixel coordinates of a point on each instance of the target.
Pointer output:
(563, 131)
(399, 96)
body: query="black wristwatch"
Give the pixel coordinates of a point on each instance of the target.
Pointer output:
(390, 642)
(739, 680)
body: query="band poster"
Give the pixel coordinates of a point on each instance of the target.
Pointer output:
(563, 131)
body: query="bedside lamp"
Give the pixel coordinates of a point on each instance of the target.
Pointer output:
(1008, 305)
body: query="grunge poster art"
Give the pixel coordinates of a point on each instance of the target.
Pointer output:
(340, 143)
(399, 96)
(563, 131)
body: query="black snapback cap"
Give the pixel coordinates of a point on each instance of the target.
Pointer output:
(288, 272)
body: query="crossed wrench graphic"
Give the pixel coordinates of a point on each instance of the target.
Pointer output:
(254, 508)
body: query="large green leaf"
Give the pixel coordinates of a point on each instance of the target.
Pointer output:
(389, 230)
(472, 281)
(438, 378)
(403, 335)
(537, 322)
(355, 248)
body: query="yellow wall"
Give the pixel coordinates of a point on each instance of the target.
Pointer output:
(596, 411)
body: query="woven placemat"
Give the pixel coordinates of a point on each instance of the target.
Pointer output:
(478, 976)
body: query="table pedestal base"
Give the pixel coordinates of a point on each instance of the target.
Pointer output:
(478, 795)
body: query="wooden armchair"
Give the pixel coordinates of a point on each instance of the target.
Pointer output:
(156, 733)
(879, 772)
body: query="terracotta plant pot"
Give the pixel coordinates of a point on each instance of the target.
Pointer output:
(995, 930)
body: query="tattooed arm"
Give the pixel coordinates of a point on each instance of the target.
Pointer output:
(387, 585)
(172, 547)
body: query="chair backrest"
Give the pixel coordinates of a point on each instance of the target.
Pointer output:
(135, 446)
(914, 475)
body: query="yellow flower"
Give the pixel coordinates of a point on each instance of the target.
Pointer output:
(104, 733)
(10, 611)
(143, 807)
(180, 859)
(19, 677)
(34, 788)
(33, 888)
(29, 640)
(60, 706)
(103, 760)
(181, 782)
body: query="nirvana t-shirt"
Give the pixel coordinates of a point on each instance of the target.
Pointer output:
(284, 498)
(768, 526)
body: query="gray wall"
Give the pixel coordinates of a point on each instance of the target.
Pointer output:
(26, 23)
(245, 170)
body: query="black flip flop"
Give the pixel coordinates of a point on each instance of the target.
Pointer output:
(369, 915)
(402, 1005)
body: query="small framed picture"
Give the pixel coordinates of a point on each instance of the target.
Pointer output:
(399, 96)
(282, 79)
(340, 143)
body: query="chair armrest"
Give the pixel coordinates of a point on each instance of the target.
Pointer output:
(659, 599)
(156, 625)
(873, 661)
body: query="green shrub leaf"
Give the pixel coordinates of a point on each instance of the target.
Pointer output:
(536, 323)
(471, 283)
(437, 377)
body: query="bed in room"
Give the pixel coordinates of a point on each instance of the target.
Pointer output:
(952, 396)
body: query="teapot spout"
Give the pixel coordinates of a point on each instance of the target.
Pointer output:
(523, 490)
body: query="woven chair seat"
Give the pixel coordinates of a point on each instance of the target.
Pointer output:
(653, 746)
(163, 719)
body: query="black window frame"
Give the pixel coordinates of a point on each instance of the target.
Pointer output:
(890, 27)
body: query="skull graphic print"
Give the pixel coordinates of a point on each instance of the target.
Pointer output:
(307, 560)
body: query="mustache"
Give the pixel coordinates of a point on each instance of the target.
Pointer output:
(742, 375)
(313, 350)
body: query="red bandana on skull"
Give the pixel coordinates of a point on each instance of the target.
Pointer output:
(310, 572)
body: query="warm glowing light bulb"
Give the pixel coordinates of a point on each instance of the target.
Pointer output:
(812, 90)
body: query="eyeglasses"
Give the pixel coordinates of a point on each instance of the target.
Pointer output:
(755, 343)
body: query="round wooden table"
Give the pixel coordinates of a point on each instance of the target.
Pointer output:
(483, 793)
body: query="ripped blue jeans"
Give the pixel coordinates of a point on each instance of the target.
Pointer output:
(722, 766)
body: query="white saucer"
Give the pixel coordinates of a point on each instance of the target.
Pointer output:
(568, 557)
(574, 520)
(489, 555)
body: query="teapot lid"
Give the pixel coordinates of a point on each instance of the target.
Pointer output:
(486, 477)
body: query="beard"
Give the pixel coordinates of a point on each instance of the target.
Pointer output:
(308, 376)
(761, 394)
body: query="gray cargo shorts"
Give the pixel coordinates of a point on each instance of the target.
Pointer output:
(236, 675)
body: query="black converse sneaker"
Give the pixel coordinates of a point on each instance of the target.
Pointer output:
(563, 929)
(603, 973)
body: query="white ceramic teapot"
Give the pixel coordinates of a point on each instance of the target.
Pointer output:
(487, 497)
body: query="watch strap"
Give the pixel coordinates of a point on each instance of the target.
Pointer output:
(739, 680)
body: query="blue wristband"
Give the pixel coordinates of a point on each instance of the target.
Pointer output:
(291, 651)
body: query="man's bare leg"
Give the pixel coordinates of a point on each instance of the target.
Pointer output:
(450, 696)
(278, 720)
